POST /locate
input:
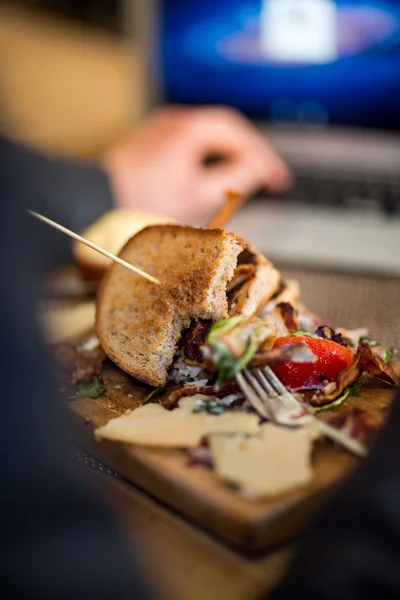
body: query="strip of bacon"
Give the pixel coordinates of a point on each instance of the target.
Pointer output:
(365, 360)
(193, 339)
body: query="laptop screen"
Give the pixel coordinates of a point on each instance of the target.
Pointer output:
(313, 62)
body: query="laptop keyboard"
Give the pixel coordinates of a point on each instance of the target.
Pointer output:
(340, 225)
(369, 194)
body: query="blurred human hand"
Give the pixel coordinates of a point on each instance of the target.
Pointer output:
(161, 166)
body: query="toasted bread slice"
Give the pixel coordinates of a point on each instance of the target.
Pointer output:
(139, 324)
(111, 232)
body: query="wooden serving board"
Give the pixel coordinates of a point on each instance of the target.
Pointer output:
(195, 492)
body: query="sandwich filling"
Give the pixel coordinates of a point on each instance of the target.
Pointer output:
(318, 363)
(246, 294)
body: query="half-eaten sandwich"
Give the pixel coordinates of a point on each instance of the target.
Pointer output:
(220, 307)
(206, 275)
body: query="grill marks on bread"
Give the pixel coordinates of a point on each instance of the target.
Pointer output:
(256, 281)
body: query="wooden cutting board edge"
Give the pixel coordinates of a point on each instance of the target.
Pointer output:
(251, 533)
(195, 492)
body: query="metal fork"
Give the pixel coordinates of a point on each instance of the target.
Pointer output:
(271, 400)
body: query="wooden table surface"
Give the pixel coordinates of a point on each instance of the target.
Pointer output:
(207, 568)
(181, 561)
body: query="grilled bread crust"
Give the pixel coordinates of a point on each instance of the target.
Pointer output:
(110, 232)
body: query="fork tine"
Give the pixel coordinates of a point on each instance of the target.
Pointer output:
(287, 399)
(285, 408)
(266, 384)
(252, 379)
(326, 429)
(264, 390)
(251, 396)
(270, 403)
(273, 380)
(337, 436)
(261, 393)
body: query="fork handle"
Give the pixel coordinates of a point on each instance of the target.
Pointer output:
(341, 438)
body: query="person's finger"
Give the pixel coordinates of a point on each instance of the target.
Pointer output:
(266, 167)
(225, 132)
(212, 185)
(246, 174)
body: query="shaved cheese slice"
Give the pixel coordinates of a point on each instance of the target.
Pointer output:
(276, 461)
(153, 425)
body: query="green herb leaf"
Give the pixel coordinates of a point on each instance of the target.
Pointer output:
(223, 327)
(303, 333)
(233, 343)
(248, 355)
(155, 392)
(355, 388)
(369, 341)
(91, 388)
(388, 356)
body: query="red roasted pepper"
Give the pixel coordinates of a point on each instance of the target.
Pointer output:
(332, 358)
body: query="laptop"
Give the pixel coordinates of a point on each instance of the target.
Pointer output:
(321, 79)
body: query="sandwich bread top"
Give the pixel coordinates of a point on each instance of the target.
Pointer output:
(139, 324)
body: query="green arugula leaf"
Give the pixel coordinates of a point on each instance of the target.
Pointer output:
(388, 356)
(355, 388)
(91, 388)
(222, 353)
(228, 367)
(248, 355)
(153, 394)
(369, 341)
(303, 333)
(223, 327)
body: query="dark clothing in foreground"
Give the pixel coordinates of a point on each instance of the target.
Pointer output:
(73, 195)
(59, 541)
